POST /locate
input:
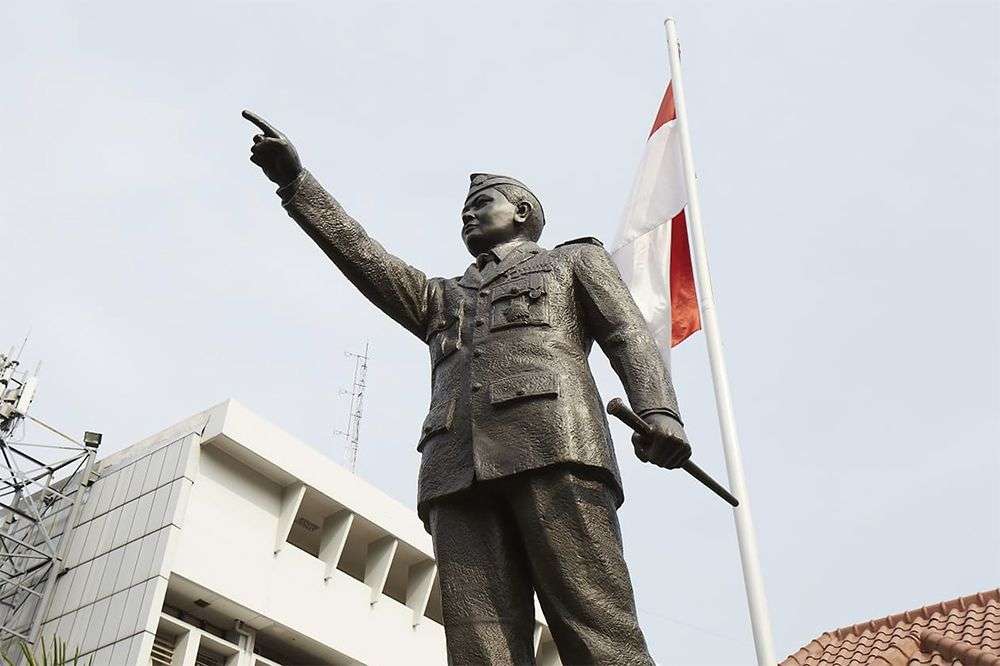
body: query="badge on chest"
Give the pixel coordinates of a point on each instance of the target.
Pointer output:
(521, 301)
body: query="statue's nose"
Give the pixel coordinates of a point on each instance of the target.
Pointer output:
(467, 217)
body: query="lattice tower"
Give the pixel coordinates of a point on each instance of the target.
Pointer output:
(41, 490)
(352, 433)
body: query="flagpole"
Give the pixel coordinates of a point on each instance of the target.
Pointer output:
(752, 579)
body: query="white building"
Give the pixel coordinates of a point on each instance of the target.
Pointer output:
(224, 540)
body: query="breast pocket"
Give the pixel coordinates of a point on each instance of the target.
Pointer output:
(523, 301)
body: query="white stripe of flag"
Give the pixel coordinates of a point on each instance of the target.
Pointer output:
(651, 248)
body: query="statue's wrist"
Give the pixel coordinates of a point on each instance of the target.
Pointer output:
(666, 411)
(288, 190)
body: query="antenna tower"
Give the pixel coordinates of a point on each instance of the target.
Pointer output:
(41, 486)
(353, 432)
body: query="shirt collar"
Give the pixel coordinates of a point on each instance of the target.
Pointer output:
(500, 252)
(503, 249)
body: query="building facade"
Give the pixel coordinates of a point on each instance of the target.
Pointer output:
(223, 540)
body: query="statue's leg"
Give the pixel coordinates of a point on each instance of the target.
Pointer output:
(568, 522)
(486, 593)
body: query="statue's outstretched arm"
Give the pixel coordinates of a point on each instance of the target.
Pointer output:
(395, 287)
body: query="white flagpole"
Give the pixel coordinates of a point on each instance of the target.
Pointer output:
(752, 579)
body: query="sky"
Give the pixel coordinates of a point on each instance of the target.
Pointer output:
(848, 157)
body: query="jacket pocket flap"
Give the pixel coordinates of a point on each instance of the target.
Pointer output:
(533, 285)
(527, 385)
(438, 420)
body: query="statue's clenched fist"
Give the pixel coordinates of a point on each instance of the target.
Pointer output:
(667, 445)
(273, 152)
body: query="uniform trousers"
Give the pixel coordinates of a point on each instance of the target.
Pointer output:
(553, 531)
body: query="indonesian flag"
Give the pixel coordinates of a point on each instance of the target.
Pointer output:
(651, 248)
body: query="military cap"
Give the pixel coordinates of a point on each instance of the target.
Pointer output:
(481, 181)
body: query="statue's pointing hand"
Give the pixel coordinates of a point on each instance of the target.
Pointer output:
(667, 446)
(273, 152)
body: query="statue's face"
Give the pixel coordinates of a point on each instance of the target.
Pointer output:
(489, 219)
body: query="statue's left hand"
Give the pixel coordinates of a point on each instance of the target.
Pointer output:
(273, 152)
(667, 446)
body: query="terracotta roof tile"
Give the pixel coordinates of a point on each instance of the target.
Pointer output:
(961, 632)
(968, 655)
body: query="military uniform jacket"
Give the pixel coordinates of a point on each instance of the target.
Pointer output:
(511, 388)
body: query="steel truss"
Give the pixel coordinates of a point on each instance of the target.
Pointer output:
(41, 490)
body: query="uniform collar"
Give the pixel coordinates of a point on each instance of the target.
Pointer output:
(498, 253)
(506, 255)
(502, 250)
(514, 254)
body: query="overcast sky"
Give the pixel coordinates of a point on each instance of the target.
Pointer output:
(848, 157)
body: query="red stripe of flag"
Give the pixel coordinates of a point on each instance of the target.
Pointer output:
(684, 315)
(667, 110)
(685, 318)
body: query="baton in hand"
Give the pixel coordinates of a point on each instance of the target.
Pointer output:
(620, 410)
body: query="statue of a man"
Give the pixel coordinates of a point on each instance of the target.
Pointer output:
(519, 487)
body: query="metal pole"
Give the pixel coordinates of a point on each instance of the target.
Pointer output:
(752, 579)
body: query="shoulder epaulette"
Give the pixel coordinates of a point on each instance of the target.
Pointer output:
(584, 239)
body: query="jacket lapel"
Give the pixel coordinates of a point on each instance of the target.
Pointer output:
(471, 279)
(518, 255)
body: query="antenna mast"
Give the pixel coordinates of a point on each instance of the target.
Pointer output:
(41, 486)
(353, 432)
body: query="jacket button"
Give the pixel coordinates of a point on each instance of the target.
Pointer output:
(476, 386)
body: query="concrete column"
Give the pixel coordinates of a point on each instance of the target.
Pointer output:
(291, 500)
(333, 539)
(378, 559)
(186, 649)
(419, 583)
(245, 639)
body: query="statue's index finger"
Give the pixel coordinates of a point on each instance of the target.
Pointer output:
(267, 128)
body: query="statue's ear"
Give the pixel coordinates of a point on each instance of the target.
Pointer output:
(522, 212)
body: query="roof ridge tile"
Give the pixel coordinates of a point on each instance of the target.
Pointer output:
(981, 597)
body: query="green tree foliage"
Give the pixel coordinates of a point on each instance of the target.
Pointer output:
(56, 657)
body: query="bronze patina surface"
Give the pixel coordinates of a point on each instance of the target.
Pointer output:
(518, 484)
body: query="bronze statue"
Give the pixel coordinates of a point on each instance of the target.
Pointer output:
(519, 487)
